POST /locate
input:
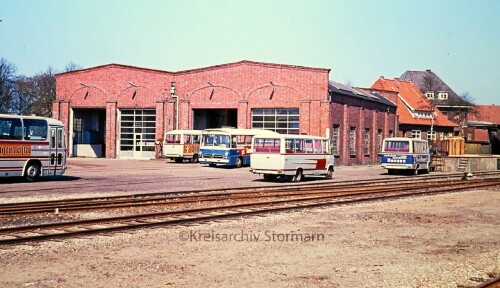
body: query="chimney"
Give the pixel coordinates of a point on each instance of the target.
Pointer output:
(382, 77)
(428, 70)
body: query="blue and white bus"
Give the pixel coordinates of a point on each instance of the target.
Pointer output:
(410, 154)
(228, 146)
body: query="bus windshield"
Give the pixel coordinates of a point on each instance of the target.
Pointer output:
(397, 146)
(216, 140)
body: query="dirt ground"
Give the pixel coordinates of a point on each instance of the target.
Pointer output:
(448, 240)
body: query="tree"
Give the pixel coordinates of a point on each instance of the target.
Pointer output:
(72, 67)
(34, 95)
(7, 84)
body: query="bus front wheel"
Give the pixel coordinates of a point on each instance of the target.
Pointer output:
(32, 172)
(239, 162)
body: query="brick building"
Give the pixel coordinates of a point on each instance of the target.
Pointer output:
(482, 132)
(360, 121)
(119, 111)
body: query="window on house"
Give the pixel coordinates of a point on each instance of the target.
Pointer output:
(441, 136)
(284, 121)
(469, 136)
(431, 135)
(335, 140)
(443, 95)
(430, 95)
(391, 133)
(352, 141)
(366, 147)
(416, 134)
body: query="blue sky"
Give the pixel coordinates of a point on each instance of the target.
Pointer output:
(359, 40)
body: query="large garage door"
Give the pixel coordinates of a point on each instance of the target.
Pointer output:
(137, 133)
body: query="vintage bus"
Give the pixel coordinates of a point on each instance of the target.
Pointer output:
(31, 147)
(291, 156)
(180, 145)
(228, 146)
(408, 154)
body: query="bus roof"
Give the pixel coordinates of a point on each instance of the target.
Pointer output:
(184, 132)
(50, 121)
(293, 136)
(404, 139)
(238, 131)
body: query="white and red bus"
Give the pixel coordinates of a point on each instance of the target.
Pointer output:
(182, 144)
(228, 146)
(31, 147)
(291, 156)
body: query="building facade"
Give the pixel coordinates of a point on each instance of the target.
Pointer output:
(417, 117)
(454, 107)
(482, 132)
(360, 121)
(119, 111)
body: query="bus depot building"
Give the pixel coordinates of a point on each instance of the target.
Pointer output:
(120, 111)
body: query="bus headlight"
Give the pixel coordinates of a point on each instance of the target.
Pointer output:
(226, 154)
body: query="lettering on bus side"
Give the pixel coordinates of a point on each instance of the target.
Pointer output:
(15, 150)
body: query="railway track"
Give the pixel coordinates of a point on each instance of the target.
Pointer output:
(492, 283)
(305, 197)
(190, 196)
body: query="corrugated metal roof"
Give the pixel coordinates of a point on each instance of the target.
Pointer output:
(338, 88)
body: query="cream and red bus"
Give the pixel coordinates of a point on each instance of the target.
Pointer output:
(179, 145)
(31, 147)
(291, 156)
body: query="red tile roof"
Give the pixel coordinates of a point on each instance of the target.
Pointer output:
(411, 99)
(486, 113)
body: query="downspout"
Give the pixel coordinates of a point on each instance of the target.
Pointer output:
(176, 111)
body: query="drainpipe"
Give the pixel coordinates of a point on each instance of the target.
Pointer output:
(172, 94)
(176, 111)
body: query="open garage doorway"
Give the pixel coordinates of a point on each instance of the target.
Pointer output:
(214, 118)
(88, 130)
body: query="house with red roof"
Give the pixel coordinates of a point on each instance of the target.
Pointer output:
(452, 105)
(416, 114)
(482, 128)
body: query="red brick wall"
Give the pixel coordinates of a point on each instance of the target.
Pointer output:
(242, 85)
(249, 85)
(350, 112)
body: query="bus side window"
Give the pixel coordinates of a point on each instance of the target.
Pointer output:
(309, 146)
(52, 138)
(196, 139)
(60, 138)
(317, 147)
(299, 146)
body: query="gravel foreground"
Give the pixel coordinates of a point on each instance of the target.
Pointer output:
(449, 240)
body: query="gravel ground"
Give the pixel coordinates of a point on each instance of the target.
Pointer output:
(448, 240)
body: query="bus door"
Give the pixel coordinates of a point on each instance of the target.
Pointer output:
(57, 151)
